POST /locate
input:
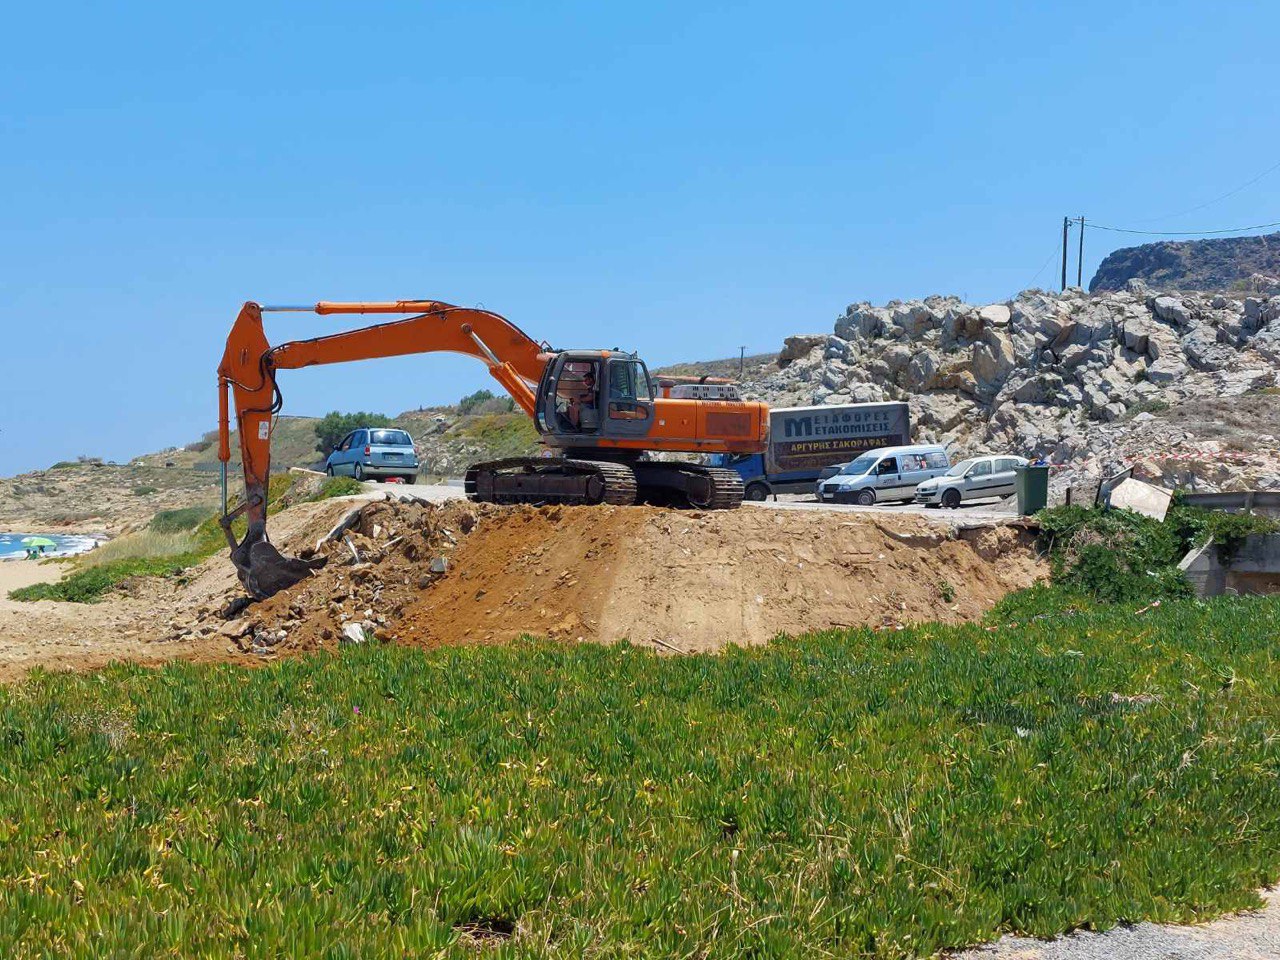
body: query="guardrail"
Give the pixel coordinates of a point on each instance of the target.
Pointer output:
(1267, 501)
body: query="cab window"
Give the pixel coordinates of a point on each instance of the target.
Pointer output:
(629, 382)
(887, 465)
(629, 390)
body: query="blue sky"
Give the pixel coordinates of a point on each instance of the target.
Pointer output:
(680, 179)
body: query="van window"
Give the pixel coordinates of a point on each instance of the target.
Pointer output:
(858, 467)
(981, 469)
(936, 461)
(912, 461)
(887, 465)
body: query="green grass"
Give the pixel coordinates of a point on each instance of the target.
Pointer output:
(502, 434)
(143, 490)
(90, 583)
(856, 793)
(338, 487)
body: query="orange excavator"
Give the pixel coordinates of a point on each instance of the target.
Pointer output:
(598, 412)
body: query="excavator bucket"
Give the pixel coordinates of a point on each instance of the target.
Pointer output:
(265, 571)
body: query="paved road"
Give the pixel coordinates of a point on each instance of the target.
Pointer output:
(986, 512)
(1247, 936)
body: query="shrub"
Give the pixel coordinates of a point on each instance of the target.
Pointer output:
(1119, 555)
(64, 465)
(1112, 555)
(176, 521)
(1153, 405)
(142, 491)
(473, 401)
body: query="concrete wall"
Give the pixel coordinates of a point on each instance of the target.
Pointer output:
(1254, 568)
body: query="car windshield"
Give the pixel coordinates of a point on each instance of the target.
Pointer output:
(390, 438)
(960, 469)
(858, 467)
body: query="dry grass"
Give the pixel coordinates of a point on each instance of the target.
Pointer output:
(144, 544)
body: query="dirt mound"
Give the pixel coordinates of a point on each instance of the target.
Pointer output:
(683, 581)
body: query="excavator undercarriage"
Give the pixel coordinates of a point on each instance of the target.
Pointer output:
(546, 480)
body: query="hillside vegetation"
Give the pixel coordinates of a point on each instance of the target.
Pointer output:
(859, 793)
(1222, 263)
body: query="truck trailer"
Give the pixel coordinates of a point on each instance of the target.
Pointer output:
(804, 440)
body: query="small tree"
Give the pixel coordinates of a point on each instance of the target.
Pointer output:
(334, 426)
(471, 401)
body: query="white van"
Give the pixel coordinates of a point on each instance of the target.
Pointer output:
(889, 473)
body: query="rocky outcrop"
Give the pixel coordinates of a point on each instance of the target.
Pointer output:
(1064, 376)
(1225, 263)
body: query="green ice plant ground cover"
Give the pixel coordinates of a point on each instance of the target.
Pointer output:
(850, 793)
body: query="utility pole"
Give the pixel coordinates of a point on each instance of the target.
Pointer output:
(1080, 258)
(1066, 223)
(742, 359)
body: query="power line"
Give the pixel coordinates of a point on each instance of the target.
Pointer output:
(1209, 203)
(1183, 233)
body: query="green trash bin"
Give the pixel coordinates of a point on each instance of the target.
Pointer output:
(1032, 487)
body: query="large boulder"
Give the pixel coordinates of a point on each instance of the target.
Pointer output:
(1167, 369)
(862, 321)
(993, 360)
(794, 348)
(1206, 352)
(921, 370)
(995, 315)
(913, 320)
(1171, 310)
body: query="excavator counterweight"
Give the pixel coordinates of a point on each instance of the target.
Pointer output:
(597, 413)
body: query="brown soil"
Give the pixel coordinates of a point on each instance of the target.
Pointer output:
(677, 581)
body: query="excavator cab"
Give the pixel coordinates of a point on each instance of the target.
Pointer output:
(588, 395)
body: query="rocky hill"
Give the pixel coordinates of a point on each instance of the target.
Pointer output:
(1091, 382)
(1226, 263)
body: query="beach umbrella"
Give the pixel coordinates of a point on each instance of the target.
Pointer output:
(38, 542)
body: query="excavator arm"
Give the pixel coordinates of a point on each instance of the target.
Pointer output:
(248, 373)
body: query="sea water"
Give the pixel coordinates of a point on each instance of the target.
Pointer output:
(11, 545)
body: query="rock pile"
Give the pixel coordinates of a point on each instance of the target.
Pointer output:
(1065, 376)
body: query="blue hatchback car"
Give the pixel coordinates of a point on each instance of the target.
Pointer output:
(372, 453)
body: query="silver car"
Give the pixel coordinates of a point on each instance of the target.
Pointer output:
(371, 452)
(973, 479)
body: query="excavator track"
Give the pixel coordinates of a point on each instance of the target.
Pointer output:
(691, 484)
(547, 480)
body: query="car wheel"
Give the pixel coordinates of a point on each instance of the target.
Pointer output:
(951, 499)
(866, 498)
(757, 492)
(328, 470)
(359, 472)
